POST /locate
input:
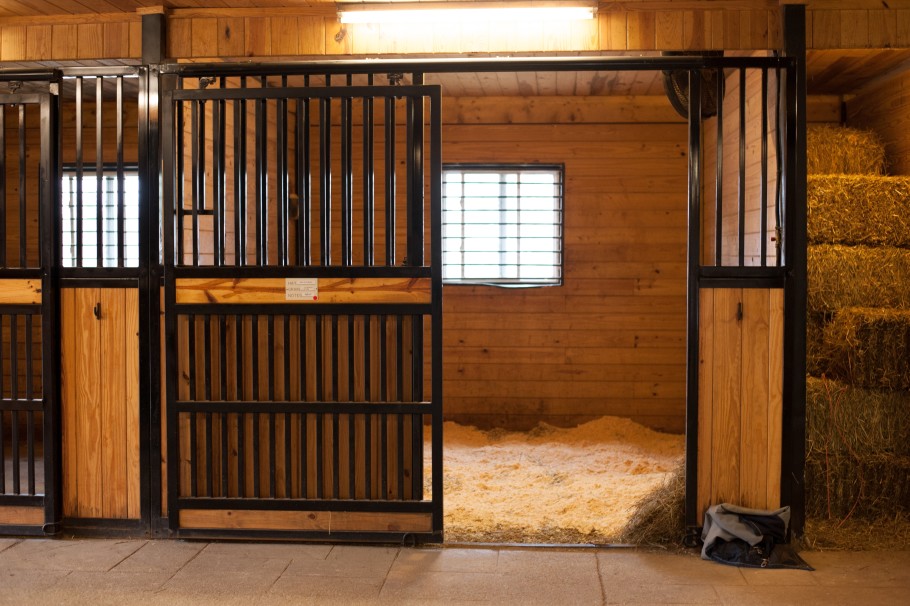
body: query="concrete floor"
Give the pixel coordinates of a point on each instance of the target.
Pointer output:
(97, 572)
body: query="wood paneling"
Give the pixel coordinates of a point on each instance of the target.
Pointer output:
(100, 418)
(21, 516)
(326, 521)
(331, 290)
(611, 339)
(20, 291)
(740, 378)
(885, 109)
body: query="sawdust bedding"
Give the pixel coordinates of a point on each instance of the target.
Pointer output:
(551, 485)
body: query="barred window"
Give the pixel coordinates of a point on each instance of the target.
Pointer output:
(502, 224)
(118, 225)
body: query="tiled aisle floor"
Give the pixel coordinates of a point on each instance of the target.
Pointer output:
(96, 572)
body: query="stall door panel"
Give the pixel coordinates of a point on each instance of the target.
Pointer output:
(100, 402)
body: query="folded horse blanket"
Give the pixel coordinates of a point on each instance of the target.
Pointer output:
(753, 538)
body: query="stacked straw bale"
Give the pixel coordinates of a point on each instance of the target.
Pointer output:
(858, 210)
(858, 329)
(834, 150)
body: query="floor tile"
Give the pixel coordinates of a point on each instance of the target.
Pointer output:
(448, 586)
(660, 593)
(865, 568)
(160, 556)
(288, 551)
(811, 596)
(619, 567)
(341, 589)
(7, 543)
(347, 561)
(57, 554)
(447, 560)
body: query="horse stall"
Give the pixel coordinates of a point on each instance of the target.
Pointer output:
(249, 299)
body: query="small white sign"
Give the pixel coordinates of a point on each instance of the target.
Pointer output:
(301, 289)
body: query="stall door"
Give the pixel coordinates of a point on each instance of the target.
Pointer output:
(302, 317)
(28, 472)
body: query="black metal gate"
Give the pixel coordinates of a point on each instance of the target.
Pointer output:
(302, 307)
(29, 499)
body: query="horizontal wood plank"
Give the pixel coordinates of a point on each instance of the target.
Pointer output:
(21, 516)
(20, 291)
(325, 521)
(331, 290)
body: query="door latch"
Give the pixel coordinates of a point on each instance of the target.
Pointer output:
(97, 311)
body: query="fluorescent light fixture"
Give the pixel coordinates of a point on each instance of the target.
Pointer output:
(461, 12)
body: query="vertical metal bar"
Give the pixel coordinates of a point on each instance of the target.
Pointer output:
(23, 191)
(320, 396)
(436, 265)
(191, 363)
(207, 369)
(325, 183)
(218, 179)
(99, 172)
(741, 229)
(287, 397)
(793, 457)
(209, 457)
(270, 352)
(262, 179)
(368, 178)
(179, 208)
(763, 184)
(14, 356)
(239, 183)
(14, 443)
(336, 362)
(304, 184)
(30, 415)
(241, 395)
(79, 173)
(303, 349)
(121, 237)
(198, 172)
(254, 354)
(351, 398)
(347, 181)
(282, 177)
(719, 184)
(390, 181)
(692, 308)
(223, 394)
(399, 393)
(3, 233)
(384, 397)
(2, 452)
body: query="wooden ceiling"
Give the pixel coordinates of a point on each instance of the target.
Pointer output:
(828, 71)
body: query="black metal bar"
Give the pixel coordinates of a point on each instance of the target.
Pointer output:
(23, 191)
(198, 170)
(399, 358)
(793, 456)
(79, 172)
(482, 65)
(219, 128)
(763, 183)
(262, 172)
(257, 395)
(347, 181)
(2, 450)
(3, 233)
(99, 172)
(719, 184)
(179, 208)
(336, 447)
(14, 443)
(351, 396)
(390, 181)
(376, 505)
(320, 395)
(239, 182)
(191, 363)
(325, 181)
(30, 451)
(209, 457)
(275, 272)
(368, 179)
(287, 396)
(436, 295)
(222, 351)
(283, 215)
(121, 237)
(304, 183)
(270, 351)
(692, 292)
(741, 229)
(242, 487)
(14, 356)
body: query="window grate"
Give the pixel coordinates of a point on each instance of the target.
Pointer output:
(118, 226)
(502, 224)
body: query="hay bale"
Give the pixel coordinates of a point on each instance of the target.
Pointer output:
(864, 487)
(869, 347)
(816, 360)
(660, 517)
(840, 150)
(844, 419)
(859, 210)
(854, 276)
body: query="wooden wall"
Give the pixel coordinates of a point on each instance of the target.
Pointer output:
(314, 30)
(611, 339)
(885, 109)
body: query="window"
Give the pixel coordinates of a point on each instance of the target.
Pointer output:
(119, 224)
(502, 224)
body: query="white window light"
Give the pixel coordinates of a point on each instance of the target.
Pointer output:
(461, 12)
